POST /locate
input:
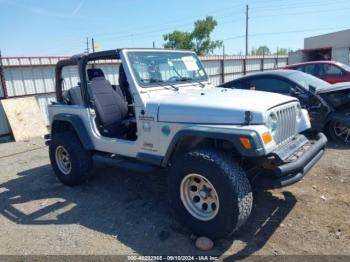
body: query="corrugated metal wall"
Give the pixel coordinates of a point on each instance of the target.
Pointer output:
(1, 91)
(35, 75)
(4, 127)
(43, 102)
(29, 75)
(28, 81)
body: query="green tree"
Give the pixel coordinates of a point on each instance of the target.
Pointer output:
(179, 40)
(283, 51)
(201, 36)
(263, 50)
(253, 52)
(198, 40)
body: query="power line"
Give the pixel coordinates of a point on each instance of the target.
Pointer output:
(150, 33)
(292, 6)
(158, 30)
(223, 16)
(190, 20)
(286, 32)
(301, 13)
(301, 31)
(146, 34)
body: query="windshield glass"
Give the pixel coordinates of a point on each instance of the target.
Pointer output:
(344, 66)
(306, 80)
(155, 68)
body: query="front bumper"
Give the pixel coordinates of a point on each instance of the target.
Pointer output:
(296, 159)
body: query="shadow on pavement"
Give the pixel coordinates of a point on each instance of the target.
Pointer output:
(338, 146)
(131, 207)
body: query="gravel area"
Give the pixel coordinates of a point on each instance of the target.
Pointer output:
(121, 212)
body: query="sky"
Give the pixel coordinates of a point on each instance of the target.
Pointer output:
(55, 28)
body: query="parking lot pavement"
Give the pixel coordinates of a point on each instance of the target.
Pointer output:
(120, 212)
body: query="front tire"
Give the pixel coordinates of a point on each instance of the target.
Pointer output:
(210, 192)
(71, 163)
(339, 133)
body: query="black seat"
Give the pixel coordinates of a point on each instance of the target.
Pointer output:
(110, 105)
(73, 96)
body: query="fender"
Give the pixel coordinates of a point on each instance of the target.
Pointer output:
(77, 123)
(218, 133)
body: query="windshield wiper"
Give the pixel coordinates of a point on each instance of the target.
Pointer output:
(160, 82)
(185, 78)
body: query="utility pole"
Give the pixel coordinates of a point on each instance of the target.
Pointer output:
(246, 29)
(87, 45)
(93, 45)
(223, 65)
(262, 59)
(93, 50)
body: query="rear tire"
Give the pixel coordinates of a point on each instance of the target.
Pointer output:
(71, 163)
(227, 205)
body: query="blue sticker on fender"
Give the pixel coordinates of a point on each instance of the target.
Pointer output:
(166, 130)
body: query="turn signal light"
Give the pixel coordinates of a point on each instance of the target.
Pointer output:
(267, 137)
(245, 142)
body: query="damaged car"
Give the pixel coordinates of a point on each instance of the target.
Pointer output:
(328, 105)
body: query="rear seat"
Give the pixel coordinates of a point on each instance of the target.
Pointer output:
(73, 96)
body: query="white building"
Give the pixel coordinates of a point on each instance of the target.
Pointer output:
(334, 46)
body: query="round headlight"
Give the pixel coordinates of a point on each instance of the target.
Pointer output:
(272, 122)
(299, 112)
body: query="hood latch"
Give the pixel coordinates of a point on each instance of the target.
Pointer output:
(248, 117)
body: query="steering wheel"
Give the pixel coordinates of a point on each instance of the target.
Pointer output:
(173, 78)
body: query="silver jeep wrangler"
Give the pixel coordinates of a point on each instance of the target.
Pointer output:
(165, 113)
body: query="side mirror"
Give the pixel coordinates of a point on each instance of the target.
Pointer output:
(312, 89)
(295, 91)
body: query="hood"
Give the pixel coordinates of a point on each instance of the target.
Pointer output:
(215, 105)
(335, 87)
(337, 96)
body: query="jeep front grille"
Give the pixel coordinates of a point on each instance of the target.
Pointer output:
(286, 123)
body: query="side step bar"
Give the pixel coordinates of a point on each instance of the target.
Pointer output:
(124, 163)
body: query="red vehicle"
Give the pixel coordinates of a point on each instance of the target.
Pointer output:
(329, 71)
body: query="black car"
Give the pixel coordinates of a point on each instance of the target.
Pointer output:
(328, 105)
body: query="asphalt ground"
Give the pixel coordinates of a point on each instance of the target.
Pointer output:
(120, 212)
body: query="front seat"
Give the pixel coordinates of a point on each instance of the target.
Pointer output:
(110, 105)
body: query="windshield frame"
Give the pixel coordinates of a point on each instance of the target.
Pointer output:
(159, 84)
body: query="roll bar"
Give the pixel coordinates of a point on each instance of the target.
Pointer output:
(81, 61)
